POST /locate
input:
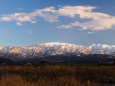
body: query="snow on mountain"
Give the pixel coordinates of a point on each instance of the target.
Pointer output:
(56, 48)
(104, 47)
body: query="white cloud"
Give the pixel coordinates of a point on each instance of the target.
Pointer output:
(95, 20)
(19, 24)
(94, 24)
(90, 32)
(18, 17)
(98, 21)
(48, 14)
(29, 31)
(20, 9)
(73, 11)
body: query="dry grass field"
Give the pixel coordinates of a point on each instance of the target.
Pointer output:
(57, 75)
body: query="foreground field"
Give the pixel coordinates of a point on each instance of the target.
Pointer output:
(57, 75)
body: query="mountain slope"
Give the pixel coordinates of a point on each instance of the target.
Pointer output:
(56, 48)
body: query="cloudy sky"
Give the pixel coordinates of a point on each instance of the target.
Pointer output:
(29, 22)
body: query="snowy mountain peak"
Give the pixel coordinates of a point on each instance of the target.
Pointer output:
(57, 48)
(56, 43)
(104, 47)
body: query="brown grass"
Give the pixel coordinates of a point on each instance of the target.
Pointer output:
(57, 75)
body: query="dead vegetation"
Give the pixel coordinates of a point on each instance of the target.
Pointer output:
(57, 75)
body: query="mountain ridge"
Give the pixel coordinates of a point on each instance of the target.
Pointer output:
(59, 52)
(92, 49)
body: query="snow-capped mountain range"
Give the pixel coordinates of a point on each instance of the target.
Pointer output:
(56, 48)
